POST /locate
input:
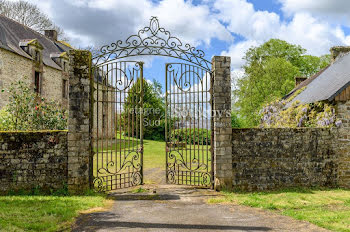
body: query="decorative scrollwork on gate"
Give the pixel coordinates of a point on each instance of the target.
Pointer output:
(180, 78)
(131, 160)
(188, 127)
(176, 158)
(152, 40)
(117, 134)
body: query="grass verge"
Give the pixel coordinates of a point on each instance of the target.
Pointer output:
(44, 213)
(327, 208)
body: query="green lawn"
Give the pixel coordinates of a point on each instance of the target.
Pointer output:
(43, 213)
(154, 154)
(329, 209)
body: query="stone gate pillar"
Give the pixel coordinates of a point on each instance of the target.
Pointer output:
(79, 131)
(222, 141)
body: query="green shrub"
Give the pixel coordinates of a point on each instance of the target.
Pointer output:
(153, 111)
(27, 111)
(192, 136)
(5, 120)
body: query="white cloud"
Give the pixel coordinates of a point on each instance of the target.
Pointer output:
(193, 24)
(315, 35)
(335, 12)
(105, 21)
(311, 32)
(319, 7)
(315, 25)
(237, 51)
(242, 19)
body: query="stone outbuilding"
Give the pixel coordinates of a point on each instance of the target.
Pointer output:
(330, 84)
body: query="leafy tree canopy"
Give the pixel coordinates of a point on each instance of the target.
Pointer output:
(153, 105)
(270, 70)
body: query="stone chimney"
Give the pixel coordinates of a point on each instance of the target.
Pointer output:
(51, 34)
(298, 80)
(338, 51)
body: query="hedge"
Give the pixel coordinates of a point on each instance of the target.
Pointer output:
(192, 136)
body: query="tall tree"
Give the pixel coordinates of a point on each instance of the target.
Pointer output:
(270, 70)
(154, 109)
(29, 15)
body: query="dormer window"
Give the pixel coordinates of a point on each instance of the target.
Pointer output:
(32, 47)
(61, 59)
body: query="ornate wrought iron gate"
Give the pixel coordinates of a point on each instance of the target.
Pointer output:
(117, 99)
(117, 96)
(188, 127)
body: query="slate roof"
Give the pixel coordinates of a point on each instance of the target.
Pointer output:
(12, 33)
(326, 84)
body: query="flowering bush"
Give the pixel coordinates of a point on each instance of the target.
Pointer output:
(319, 114)
(27, 111)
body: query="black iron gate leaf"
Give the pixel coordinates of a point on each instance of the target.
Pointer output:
(188, 125)
(117, 125)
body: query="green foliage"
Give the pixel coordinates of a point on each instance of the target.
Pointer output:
(310, 65)
(237, 121)
(270, 72)
(27, 111)
(5, 120)
(192, 136)
(153, 113)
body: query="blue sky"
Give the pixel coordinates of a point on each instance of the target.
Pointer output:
(219, 27)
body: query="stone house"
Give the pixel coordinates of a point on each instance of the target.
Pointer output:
(39, 60)
(42, 62)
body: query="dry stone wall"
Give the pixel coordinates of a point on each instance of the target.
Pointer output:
(343, 146)
(265, 159)
(33, 160)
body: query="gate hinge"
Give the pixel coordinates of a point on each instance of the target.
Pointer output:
(140, 150)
